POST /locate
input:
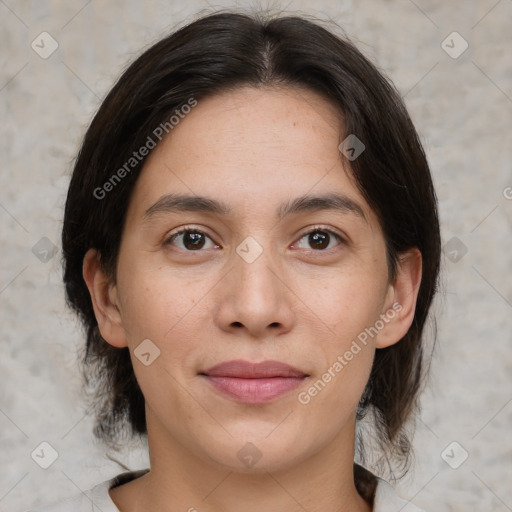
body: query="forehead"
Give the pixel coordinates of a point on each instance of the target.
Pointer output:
(258, 126)
(252, 147)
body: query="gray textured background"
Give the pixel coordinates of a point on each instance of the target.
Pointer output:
(462, 108)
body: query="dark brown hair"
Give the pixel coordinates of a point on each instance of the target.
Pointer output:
(227, 50)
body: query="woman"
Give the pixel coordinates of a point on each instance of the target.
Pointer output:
(252, 243)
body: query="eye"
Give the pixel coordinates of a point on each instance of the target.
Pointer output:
(320, 239)
(190, 240)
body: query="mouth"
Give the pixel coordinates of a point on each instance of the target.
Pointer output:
(253, 383)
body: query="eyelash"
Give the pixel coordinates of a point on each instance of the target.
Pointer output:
(315, 229)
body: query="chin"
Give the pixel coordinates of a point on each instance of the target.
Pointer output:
(256, 455)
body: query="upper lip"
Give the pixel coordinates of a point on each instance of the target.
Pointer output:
(247, 370)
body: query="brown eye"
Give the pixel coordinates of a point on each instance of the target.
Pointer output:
(321, 239)
(190, 240)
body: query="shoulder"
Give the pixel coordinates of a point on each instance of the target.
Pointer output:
(96, 499)
(387, 500)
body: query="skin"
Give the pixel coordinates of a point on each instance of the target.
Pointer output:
(299, 303)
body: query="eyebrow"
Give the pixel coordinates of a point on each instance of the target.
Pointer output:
(174, 203)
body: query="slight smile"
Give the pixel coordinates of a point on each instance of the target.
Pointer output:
(254, 383)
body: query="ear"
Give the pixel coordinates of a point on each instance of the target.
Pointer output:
(104, 300)
(400, 304)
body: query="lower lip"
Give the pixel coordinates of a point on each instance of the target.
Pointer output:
(255, 391)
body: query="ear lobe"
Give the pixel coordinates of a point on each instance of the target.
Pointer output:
(104, 300)
(401, 304)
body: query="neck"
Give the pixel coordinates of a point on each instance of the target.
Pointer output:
(182, 480)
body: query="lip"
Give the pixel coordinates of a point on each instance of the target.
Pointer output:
(254, 383)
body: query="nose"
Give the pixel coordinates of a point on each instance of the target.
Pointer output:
(254, 297)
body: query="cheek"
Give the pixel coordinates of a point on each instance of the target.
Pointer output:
(166, 311)
(345, 301)
(348, 306)
(154, 300)
(346, 362)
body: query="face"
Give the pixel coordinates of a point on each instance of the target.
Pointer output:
(250, 273)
